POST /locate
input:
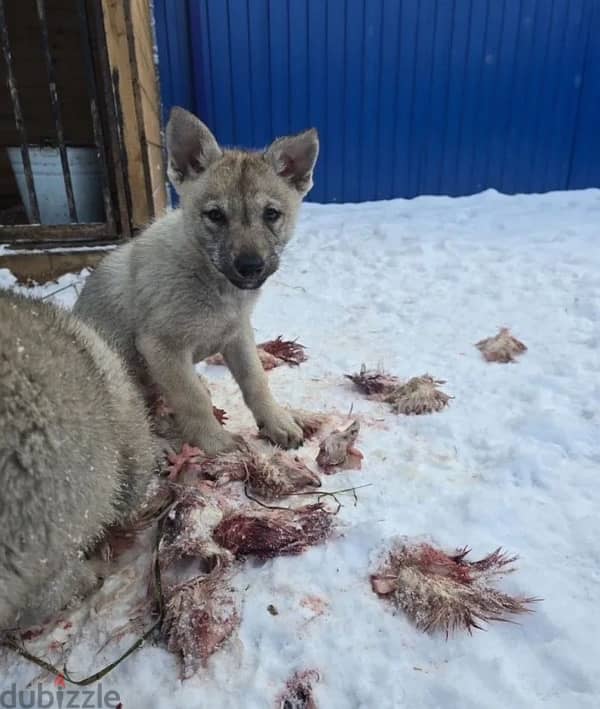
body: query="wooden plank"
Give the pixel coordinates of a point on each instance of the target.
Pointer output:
(36, 235)
(118, 53)
(150, 101)
(44, 267)
(159, 192)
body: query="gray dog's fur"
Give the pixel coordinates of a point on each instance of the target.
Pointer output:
(185, 288)
(76, 455)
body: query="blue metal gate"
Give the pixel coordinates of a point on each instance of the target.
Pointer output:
(409, 96)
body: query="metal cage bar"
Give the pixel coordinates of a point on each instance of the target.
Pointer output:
(18, 114)
(103, 100)
(56, 113)
(86, 44)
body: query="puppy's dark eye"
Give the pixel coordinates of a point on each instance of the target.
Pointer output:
(215, 215)
(271, 214)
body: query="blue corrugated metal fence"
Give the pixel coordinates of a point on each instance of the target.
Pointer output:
(409, 96)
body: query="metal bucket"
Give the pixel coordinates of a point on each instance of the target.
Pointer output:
(49, 183)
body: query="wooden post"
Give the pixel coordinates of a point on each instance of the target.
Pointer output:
(131, 56)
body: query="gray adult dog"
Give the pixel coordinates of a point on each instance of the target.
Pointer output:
(76, 456)
(185, 288)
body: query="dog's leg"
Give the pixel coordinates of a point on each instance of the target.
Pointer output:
(273, 421)
(173, 371)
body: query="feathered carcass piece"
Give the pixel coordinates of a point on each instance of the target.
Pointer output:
(337, 450)
(200, 615)
(445, 592)
(503, 347)
(274, 532)
(374, 383)
(418, 395)
(298, 692)
(187, 532)
(273, 353)
(269, 475)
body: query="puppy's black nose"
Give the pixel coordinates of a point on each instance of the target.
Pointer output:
(249, 265)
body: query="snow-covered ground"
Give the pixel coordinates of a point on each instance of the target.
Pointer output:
(514, 460)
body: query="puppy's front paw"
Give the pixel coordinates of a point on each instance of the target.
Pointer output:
(281, 429)
(220, 442)
(208, 435)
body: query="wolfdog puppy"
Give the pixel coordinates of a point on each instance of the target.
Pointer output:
(76, 455)
(186, 287)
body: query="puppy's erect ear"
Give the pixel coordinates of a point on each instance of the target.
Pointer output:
(293, 158)
(191, 147)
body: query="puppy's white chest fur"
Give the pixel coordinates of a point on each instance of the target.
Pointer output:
(216, 329)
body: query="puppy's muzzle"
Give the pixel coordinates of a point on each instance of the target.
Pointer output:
(249, 266)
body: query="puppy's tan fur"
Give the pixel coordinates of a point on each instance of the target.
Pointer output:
(175, 295)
